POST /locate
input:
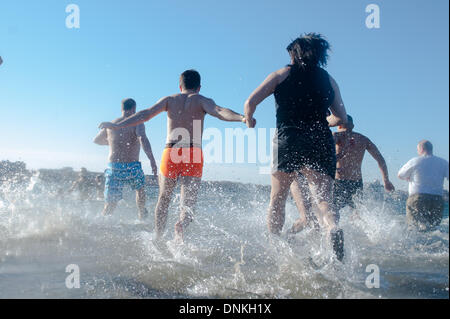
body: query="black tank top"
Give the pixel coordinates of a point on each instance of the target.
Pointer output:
(303, 98)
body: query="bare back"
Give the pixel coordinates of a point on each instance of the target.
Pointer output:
(185, 118)
(124, 144)
(350, 150)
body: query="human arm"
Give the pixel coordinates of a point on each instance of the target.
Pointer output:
(145, 143)
(405, 172)
(338, 113)
(224, 114)
(339, 143)
(101, 138)
(139, 117)
(264, 90)
(373, 150)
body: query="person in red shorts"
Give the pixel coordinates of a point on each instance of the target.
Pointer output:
(182, 158)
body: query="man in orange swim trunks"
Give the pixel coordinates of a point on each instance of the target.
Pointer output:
(182, 158)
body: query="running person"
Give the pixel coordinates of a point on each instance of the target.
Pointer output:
(303, 142)
(350, 149)
(182, 158)
(425, 174)
(124, 166)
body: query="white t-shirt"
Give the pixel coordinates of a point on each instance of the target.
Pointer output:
(425, 174)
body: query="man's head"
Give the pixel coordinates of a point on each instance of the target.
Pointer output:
(425, 148)
(349, 125)
(128, 106)
(190, 80)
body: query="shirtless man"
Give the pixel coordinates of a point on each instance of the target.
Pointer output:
(124, 166)
(182, 158)
(350, 149)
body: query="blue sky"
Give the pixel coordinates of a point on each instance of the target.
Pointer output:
(58, 84)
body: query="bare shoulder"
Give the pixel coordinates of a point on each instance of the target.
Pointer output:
(173, 96)
(117, 120)
(284, 70)
(282, 73)
(170, 98)
(204, 99)
(361, 138)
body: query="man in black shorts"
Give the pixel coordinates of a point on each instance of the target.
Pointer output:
(350, 150)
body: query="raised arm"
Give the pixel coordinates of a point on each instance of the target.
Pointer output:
(338, 113)
(373, 150)
(139, 117)
(101, 138)
(263, 91)
(224, 114)
(145, 143)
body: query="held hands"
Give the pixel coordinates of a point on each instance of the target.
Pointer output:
(250, 122)
(108, 125)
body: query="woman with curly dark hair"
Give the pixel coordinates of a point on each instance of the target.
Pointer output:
(303, 143)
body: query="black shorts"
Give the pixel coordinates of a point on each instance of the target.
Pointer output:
(344, 192)
(295, 149)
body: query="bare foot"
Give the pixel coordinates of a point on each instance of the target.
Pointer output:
(298, 226)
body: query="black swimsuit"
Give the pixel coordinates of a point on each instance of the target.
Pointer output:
(303, 138)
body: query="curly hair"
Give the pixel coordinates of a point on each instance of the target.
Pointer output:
(309, 50)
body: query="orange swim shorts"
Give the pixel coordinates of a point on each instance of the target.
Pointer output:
(182, 162)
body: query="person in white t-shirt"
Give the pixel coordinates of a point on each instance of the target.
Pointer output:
(425, 174)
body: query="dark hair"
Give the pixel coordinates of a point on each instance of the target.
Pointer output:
(309, 50)
(349, 119)
(190, 80)
(128, 104)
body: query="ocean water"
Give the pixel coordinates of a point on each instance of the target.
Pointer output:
(227, 252)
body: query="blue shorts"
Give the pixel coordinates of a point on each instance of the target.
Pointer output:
(120, 174)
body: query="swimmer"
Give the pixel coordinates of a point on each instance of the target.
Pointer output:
(124, 167)
(182, 157)
(350, 149)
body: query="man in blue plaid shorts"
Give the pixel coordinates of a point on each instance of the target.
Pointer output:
(124, 167)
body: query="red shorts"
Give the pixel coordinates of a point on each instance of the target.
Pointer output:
(182, 162)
